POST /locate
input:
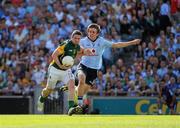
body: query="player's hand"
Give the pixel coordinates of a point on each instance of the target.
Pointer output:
(89, 52)
(65, 66)
(136, 41)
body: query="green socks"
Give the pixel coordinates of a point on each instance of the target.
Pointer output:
(42, 99)
(71, 103)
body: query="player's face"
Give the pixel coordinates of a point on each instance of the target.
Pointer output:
(76, 39)
(92, 33)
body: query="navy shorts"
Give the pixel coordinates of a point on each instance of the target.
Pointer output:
(90, 73)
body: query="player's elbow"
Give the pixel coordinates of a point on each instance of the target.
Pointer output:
(54, 55)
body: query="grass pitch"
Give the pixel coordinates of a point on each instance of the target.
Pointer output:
(89, 121)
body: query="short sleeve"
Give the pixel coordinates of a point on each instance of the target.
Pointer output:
(61, 49)
(106, 43)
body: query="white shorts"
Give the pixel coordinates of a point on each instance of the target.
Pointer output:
(55, 75)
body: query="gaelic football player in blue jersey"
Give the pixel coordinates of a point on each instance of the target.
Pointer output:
(89, 65)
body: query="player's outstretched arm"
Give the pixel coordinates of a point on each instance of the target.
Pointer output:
(125, 44)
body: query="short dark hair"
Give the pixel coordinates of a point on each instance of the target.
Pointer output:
(76, 32)
(96, 26)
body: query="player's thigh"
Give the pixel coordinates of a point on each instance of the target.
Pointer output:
(81, 72)
(91, 76)
(53, 77)
(81, 75)
(68, 77)
(86, 74)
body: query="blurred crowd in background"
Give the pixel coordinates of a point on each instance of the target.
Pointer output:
(30, 30)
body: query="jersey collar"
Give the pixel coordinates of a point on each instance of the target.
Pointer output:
(72, 43)
(93, 40)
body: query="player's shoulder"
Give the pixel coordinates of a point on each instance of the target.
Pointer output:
(64, 43)
(84, 39)
(61, 43)
(101, 38)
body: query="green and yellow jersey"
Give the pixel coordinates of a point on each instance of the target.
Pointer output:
(66, 48)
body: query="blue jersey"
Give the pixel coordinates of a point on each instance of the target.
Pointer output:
(94, 62)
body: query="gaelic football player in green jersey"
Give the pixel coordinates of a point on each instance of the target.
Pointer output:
(59, 72)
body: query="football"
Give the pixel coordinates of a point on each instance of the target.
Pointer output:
(67, 61)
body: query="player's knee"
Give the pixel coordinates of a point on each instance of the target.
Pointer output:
(81, 79)
(46, 92)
